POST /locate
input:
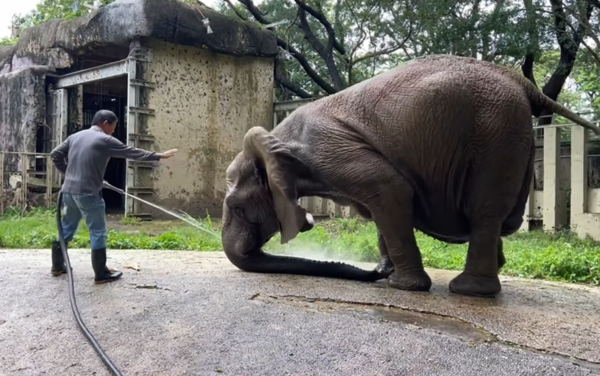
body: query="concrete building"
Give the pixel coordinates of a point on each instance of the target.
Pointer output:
(171, 83)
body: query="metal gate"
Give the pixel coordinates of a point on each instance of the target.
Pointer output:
(115, 170)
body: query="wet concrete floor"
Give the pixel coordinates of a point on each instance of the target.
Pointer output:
(190, 313)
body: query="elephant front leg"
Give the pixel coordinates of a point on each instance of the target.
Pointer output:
(392, 213)
(385, 266)
(387, 197)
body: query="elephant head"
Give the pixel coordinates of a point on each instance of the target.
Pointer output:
(261, 196)
(262, 199)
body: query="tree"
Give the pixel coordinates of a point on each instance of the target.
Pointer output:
(333, 43)
(329, 45)
(569, 31)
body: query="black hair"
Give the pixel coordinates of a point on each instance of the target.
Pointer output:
(104, 115)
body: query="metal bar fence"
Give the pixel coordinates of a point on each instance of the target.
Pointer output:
(23, 186)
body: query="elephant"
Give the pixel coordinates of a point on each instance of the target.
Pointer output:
(442, 144)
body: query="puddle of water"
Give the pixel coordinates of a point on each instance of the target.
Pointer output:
(440, 324)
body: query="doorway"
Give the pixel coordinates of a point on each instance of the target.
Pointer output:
(110, 95)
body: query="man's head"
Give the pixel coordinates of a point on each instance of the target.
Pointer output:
(105, 120)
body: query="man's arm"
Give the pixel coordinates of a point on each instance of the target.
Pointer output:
(59, 156)
(117, 149)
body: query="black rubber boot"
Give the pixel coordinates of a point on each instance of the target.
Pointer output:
(103, 274)
(58, 261)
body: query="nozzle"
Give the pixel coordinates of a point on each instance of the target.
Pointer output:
(206, 22)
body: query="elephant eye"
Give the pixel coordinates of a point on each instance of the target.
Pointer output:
(239, 212)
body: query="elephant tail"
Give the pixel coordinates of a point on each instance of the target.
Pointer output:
(540, 101)
(265, 263)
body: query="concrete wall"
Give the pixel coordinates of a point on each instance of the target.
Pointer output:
(204, 102)
(22, 110)
(584, 218)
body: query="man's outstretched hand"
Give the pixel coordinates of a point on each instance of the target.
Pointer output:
(167, 154)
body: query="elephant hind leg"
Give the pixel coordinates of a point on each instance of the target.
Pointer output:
(492, 200)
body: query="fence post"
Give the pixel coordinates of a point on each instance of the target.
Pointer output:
(554, 214)
(579, 174)
(24, 178)
(49, 179)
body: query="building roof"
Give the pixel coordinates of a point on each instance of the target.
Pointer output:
(58, 43)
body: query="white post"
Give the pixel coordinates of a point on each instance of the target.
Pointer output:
(579, 176)
(553, 216)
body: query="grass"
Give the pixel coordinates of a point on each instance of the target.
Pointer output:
(559, 257)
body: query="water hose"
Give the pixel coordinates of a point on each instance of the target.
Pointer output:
(90, 337)
(63, 246)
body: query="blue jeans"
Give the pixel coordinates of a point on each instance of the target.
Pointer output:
(92, 209)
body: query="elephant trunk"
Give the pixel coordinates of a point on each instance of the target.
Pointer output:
(243, 251)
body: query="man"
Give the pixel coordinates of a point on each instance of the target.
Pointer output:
(88, 153)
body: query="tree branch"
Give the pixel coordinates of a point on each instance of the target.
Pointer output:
(325, 22)
(200, 3)
(527, 68)
(568, 53)
(296, 89)
(592, 52)
(568, 48)
(533, 45)
(585, 21)
(302, 60)
(236, 11)
(389, 50)
(326, 52)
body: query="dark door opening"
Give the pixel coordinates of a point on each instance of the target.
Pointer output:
(110, 96)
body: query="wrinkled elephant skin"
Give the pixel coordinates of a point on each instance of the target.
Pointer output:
(442, 144)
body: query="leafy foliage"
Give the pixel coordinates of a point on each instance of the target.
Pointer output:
(7, 41)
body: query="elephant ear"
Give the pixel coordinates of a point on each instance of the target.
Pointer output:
(279, 164)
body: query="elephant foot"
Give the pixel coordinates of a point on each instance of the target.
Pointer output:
(385, 267)
(474, 285)
(410, 281)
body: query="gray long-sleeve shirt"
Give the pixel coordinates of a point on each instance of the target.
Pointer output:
(88, 153)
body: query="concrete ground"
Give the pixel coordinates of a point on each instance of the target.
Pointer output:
(190, 313)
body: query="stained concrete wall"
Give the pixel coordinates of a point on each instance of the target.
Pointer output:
(22, 110)
(205, 102)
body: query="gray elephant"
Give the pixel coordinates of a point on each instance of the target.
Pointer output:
(443, 144)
